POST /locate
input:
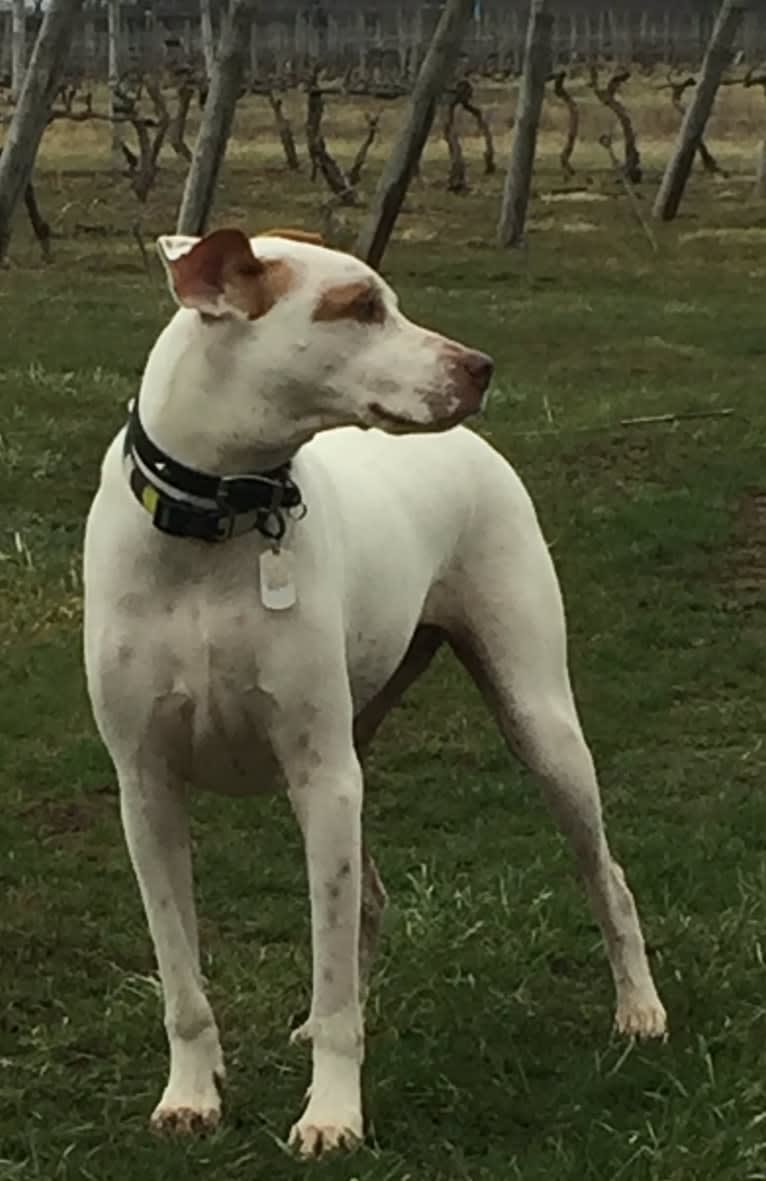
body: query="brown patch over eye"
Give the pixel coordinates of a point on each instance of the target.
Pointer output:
(351, 301)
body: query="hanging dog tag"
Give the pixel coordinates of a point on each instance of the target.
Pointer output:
(277, 582)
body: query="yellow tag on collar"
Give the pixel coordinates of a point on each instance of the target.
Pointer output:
(149, 498)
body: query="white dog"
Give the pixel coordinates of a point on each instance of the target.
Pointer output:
(257, 598)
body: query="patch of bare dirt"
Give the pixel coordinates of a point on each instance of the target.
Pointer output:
(53, 818)
(746, 569)
(620, 458)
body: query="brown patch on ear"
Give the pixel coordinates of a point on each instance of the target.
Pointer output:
(215, 262)
(359, 301)
(295, 236)
(278, 279)
(222, 265)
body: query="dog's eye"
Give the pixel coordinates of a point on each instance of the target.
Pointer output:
(368, 308)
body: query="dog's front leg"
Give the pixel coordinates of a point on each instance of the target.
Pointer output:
(156, 826)
(326, 794)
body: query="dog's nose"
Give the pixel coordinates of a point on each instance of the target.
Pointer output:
(480, 367)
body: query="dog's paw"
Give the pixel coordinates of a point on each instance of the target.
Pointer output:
(310, 1138)
(641, 1018)
(193, 1108)
(185, 1120)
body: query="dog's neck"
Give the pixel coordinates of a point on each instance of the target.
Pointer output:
(187, 408)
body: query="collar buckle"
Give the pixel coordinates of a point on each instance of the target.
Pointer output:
(229, 486)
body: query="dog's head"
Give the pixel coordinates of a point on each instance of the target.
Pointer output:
(317, 336)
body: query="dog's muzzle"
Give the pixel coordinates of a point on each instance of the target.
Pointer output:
(471, 374)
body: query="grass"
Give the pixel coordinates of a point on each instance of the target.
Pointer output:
(490, 1056)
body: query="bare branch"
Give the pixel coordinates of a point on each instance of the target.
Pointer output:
(285, 132)
(355, 171)
(608, 96)
(755, 79)
(574, 122)
(321, 159)
(464, 98)
(456, 181)
(177, 129)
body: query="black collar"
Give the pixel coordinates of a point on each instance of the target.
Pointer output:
(186, 502)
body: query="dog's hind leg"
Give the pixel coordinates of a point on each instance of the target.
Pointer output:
(509, 631)
(423, 647)
(374, 899)
(425, 643)
(156, 826)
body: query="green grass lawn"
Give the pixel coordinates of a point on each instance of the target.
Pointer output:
(490, 1055)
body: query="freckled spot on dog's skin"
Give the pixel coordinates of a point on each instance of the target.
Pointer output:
(125, 654)
(309, 759)
(132, 604)
(333, 891)
(307, 712)
(328, 975)
(344, 869)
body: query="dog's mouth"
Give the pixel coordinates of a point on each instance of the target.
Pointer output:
(400, 420)
(400, 423)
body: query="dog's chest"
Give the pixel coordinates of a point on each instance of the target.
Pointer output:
(232, 719)
(196, 680)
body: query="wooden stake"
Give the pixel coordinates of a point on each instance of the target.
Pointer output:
(537, 68)
(679, 167)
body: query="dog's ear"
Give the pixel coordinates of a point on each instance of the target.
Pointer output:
(218, 275)
(172, 246)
